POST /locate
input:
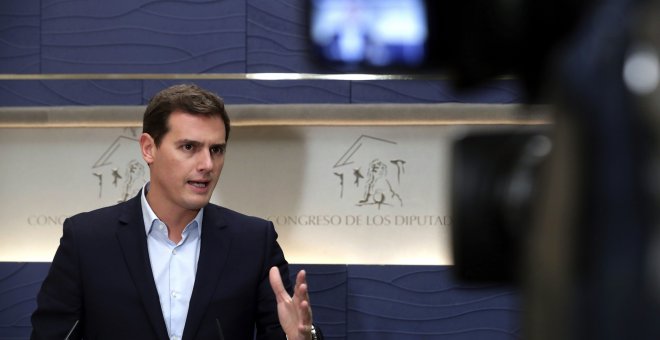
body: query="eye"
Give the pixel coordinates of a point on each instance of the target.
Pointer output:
(188, 147)
(216, 150)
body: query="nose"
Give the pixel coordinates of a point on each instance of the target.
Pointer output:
(205, 161)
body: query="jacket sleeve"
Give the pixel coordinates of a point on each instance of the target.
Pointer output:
(268, 326)
(59, 302)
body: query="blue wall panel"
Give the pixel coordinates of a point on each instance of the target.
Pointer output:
(129, 36)
(355, 302)
(432, 91)
(406, 302)
(70, 92)
(276, 36)
(328, 287)
(19, 284)
(20, 51)
(301, 92)
(19, 36)
(266, 92)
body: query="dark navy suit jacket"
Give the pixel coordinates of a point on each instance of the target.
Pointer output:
(101, 275)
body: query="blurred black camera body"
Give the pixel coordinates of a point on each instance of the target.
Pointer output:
(592, 249)
(494, 182)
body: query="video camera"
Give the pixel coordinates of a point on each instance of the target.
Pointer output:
(587, 256)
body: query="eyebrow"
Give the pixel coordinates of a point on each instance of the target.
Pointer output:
(198, 143)
(188, 141)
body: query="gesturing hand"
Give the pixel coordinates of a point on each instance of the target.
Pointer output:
(295, 313)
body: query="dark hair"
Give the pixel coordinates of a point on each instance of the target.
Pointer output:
(188, 98)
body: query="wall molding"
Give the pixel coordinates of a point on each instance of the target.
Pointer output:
(224, 76)
(386, 114)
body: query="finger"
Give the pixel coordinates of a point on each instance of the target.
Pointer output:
(301, 278)
(301, 292)
(305, 314)
(277, 285)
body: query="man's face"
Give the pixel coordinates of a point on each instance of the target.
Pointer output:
(186, 166)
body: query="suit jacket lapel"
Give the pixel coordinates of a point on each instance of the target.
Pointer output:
(133, 241)
(212, 257)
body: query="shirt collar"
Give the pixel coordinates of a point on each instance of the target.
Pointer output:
(148, 215)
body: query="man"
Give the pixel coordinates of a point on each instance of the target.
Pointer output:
(167, 264)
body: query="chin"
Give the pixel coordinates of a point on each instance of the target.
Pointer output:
(197, 203)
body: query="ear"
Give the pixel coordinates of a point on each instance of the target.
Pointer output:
(148, 148)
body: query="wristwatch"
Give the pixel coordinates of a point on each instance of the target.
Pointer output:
(313, 332)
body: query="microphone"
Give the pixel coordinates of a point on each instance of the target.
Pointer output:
(68, 335)
(220, 335)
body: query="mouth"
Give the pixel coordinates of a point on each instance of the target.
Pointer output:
(199, 184)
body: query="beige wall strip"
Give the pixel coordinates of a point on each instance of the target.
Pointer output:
(290, 115)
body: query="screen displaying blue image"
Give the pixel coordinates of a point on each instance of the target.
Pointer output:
(378, 33)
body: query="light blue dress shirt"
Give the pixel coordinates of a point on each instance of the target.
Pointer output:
(173, 265)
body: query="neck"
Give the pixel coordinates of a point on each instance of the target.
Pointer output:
(175, 218)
